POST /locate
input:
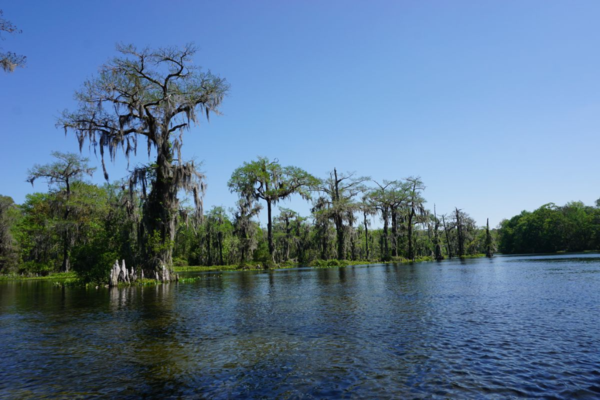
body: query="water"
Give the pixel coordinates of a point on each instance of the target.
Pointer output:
(521, 327)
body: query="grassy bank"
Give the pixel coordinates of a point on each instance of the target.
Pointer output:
(333, 263)
(70, 278)
(55, 276)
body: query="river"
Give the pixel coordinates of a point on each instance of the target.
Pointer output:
(512, 326)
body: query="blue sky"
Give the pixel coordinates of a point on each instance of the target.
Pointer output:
(495, 104)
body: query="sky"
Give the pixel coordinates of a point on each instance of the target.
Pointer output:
(495, 104)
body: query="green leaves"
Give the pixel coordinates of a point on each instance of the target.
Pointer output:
(269, 181)
(68, 168)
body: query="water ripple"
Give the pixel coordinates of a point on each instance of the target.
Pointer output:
(515, 327)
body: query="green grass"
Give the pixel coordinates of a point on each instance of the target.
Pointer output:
(71, 279)
(55, 276)
(202, 268)
(474, 256)
(333, 263)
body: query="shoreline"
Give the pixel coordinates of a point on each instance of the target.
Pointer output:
(70, 278)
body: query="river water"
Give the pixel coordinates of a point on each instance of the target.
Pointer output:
(520, 326)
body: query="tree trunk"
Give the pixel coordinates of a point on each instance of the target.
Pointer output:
(208, 249)
(488, 240)
(411, 251)
(160, 214)
(243, 248)
(447, 238)
(385, 247)
(66, 265)
(394, 231)
(220, 239)
(339, 222)
(366, 236)
(324, 245)
(436, 238)
(66, 242)
(339, 229)
(270, 230)
(353, 247)
(288, 239)
(461, 240)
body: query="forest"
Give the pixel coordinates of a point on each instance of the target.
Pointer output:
(79, 226)
(549, 229)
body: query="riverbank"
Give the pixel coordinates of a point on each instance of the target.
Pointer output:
(70, 278)
(333, 263)
(54, 276)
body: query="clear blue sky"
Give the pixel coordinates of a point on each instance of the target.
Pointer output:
(495, 104)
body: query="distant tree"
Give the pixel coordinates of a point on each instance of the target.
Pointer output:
(396, 199)
(367, 208)
(244, 227)
(154, 95)
(436, 240)
(269, 181)
(302, 231)
(340, 190)
(217, 226)
(286, 217)
(39, 241)
(96, 237)
(489, 252)
(8, 60)
(551, 228)
(576, 218)
(383, 199)
(415, 208)
(60, 176)
(459, 223)
(46, 230)
(447, 230)
(466, 241)
(9, 248)
(322, 231)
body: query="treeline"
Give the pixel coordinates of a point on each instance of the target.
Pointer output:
(84, 227)
(151, 97)
(552, 228)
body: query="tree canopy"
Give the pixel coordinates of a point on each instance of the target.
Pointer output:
(267, 180)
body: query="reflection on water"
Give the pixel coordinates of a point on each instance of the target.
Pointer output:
(507, 327)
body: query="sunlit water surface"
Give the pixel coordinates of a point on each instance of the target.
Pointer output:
(522, 327)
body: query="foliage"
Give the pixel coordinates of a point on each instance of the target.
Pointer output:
(9, 247)
(9, 60)
(551, 228)
(338, 204)
(70, 206)
(269, 181)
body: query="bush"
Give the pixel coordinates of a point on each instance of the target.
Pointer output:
(36, 268)
(261, 254)
(180, 262)
(93, 262)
